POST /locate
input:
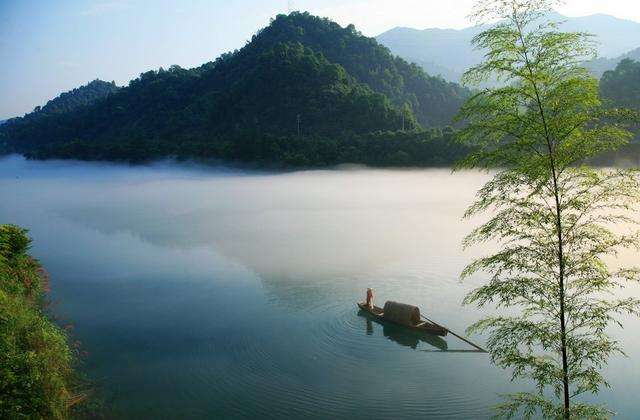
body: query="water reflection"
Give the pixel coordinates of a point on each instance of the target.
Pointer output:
(307, 225)
(402, 336)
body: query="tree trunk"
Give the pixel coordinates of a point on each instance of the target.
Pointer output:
(558, 217)
(563, 336)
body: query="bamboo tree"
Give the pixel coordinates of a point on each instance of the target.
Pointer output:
(551, 214)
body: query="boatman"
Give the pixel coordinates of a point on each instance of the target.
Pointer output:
(369, 298)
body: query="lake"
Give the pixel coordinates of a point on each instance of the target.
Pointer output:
(214, 292)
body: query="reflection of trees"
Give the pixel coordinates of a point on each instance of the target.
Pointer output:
(295, 243)
(291, 229)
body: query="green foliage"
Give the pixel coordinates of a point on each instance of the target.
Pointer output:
(77, 98)
(35, 358)
(551, 215)
(433, 100)
(621, 88)
(300, 77)
(21, 275)
(14, 242)
(622, 85)
(381, 148)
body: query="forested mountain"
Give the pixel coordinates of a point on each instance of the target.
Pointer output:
(432, 100)
(76, 98)
(301, 77)
(71, 100)
(449, 51)
(621, 86)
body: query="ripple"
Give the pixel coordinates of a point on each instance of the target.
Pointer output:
(342, 356)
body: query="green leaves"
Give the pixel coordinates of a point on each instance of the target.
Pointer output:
(13, 242)
(36, 372)
(622, 85)
(553, 218)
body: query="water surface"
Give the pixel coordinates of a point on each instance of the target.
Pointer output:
(200, 292)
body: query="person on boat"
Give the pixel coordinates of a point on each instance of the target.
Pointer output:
(369, 297)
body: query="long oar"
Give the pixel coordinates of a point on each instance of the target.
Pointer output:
(454, 334)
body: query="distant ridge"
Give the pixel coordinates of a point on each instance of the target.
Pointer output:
(448, 52)
(601, 65)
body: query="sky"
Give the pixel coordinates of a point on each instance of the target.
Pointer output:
(48, 47)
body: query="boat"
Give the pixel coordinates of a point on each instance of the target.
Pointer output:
(401, 335)
(409, 317)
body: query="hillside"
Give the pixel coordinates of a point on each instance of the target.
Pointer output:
(77, 98)
(71, 100)
(449, 51)
(601, 65)
(300, 77)
(621, 86)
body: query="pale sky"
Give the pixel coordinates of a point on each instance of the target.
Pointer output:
(47, 47)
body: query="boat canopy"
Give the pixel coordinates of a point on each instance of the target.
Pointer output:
(401, 313)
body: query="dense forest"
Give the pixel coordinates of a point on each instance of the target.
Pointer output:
(621, 86)
(304, 90)
(76, 98)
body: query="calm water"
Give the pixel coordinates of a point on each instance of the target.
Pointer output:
(211, 292)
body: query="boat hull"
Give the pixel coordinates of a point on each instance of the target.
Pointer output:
(425, 327)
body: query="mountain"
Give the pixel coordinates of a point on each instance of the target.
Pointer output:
(601, 65)
(621, 86)
(76, 98)
(304, 90)
(71, 100)
(449, 52)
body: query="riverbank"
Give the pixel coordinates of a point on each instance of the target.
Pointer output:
(406, 153)
(37, 377)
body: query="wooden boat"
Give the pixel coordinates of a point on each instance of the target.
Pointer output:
(421, 326)
(401, 335)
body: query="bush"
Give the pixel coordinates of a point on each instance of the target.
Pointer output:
(36, 372)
